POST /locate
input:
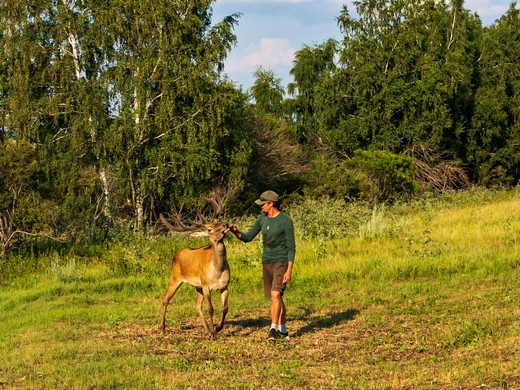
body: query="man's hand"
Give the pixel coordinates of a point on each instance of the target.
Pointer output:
(234, 229)
(288, 273)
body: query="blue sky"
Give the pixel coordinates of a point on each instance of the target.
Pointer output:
(269, 32)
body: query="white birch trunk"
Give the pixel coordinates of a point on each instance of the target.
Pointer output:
(139, 212)
(93, 134)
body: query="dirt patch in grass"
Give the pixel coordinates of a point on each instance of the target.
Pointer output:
(332, 349)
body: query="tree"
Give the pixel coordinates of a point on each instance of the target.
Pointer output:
(268, 92)
(169, 133)
(494, 135)
(276, 157)
(55, 62)
(125, 100)
(403, 79)
(405, 76)
(312, 65)
(23, 211)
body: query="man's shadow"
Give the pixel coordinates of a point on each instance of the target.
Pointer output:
(327, 321)
(313, 323)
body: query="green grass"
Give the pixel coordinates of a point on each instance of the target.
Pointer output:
(415, 295)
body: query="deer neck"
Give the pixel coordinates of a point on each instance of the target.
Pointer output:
(219, 253)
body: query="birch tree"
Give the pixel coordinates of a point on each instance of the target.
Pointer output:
(171, 104)
(126, 100)
(55, 94)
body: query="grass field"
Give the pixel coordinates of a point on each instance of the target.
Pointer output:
(423, 295)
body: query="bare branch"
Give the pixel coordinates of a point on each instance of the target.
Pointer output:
(7, 238)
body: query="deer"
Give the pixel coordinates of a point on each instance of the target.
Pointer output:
(205, 268)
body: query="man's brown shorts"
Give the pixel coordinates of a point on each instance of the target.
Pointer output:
(273, 277)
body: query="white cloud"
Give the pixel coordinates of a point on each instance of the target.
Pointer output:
(293, 1)
(487, 8)
(268, 53)
(266, 1)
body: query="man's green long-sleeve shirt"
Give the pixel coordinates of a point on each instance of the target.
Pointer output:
(278, 237)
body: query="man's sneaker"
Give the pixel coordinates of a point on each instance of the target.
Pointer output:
(282, 335)
(273, 333)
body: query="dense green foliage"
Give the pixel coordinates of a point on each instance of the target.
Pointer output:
(416, 76)
(111, 112)
(494, 134)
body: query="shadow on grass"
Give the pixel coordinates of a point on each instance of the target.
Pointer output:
(249, 324)
(313, 323)
(328, 321)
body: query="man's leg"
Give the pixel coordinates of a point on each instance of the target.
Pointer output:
(277, 308)
(274, 288)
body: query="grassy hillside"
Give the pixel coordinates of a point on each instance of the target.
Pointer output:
(418, 295)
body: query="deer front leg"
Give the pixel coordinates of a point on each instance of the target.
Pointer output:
(204, 293)
(173, 286)
(224, 297)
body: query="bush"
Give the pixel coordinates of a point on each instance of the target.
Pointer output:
(331, 178)
(387, 176)
(375, 176)
(328, 218)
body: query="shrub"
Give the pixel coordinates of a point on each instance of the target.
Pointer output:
(329, 176)
(328, 218)
(387, 176)
(375, 176)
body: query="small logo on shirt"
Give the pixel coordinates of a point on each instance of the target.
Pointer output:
(268, 227)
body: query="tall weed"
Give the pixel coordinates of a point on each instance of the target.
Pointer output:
(375, 226)
(67, 271)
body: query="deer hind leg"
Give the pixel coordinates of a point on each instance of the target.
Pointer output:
(173, 286)
(204, 294)
(224, 297)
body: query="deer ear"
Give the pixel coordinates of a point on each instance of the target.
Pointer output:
(199, 234)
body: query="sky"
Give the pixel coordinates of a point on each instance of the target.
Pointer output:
(269, 32)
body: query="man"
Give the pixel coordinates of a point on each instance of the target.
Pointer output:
(277, 258)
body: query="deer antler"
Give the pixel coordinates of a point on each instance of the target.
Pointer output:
(218, 209)
(180, 227)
